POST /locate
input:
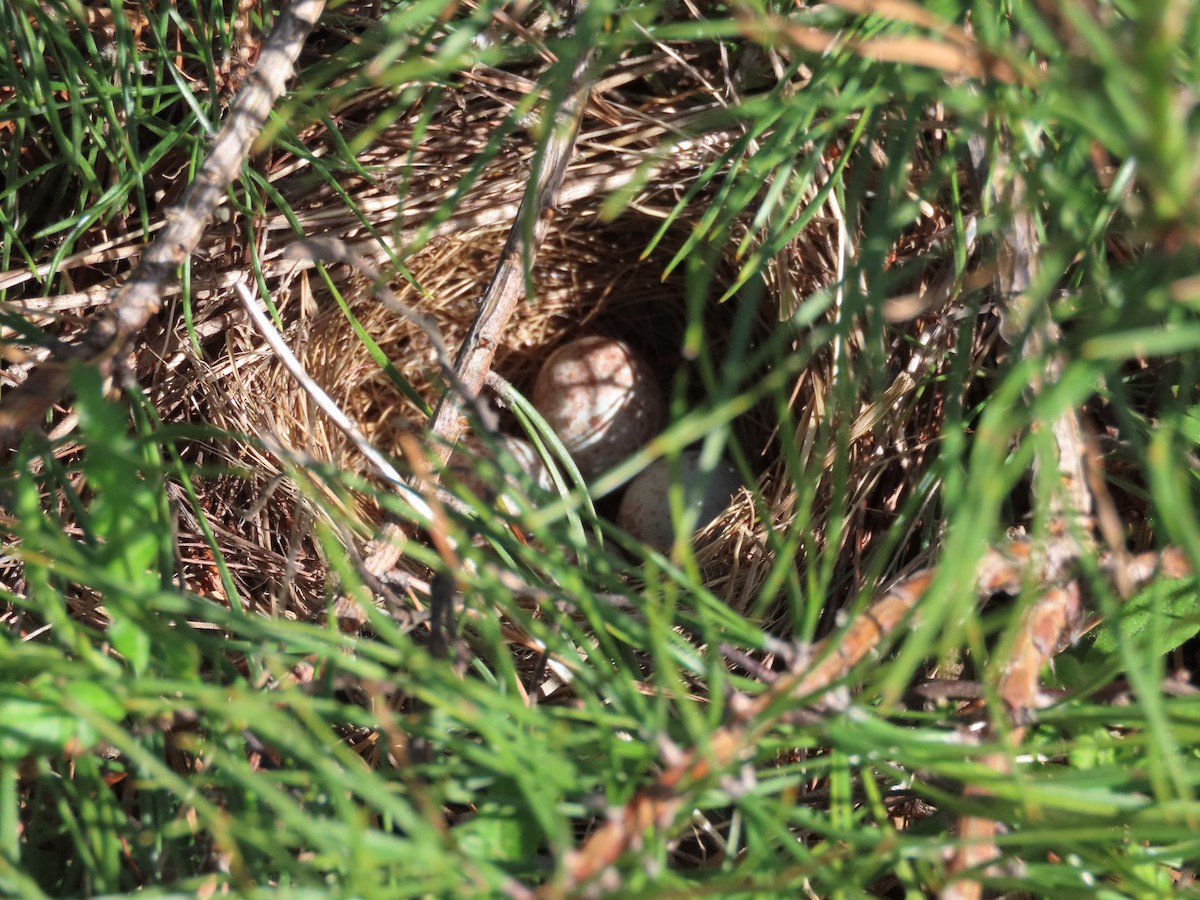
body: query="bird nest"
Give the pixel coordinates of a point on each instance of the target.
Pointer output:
(592, 275)
(438, 236)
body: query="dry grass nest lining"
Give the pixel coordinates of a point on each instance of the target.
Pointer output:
(590, 279)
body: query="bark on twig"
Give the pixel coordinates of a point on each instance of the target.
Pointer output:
(111, 332)
(503, 293)
(1053, 620)
(658, 805)
(507, 287)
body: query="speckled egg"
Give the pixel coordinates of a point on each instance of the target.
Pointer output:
(602, 401)
(523, 454)
(645, 510)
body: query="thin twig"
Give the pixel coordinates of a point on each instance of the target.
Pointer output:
(141, 297)
(500, 300)
(326, 404)
(1053, 620)
(507, 286)
(658, 805)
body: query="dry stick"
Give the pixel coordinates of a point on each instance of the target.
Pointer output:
(141, 297)
(657, 807)
(326, 403)
(507, 286)
(331, 249)
(1053, 621)
(500, 300)
(1028, 320)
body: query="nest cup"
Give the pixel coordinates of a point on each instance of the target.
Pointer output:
(590, 278)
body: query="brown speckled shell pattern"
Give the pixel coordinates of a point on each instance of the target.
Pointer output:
(602, 401)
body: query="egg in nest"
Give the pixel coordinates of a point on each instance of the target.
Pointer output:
(602, 400)
(645, 510)
(504, 495)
